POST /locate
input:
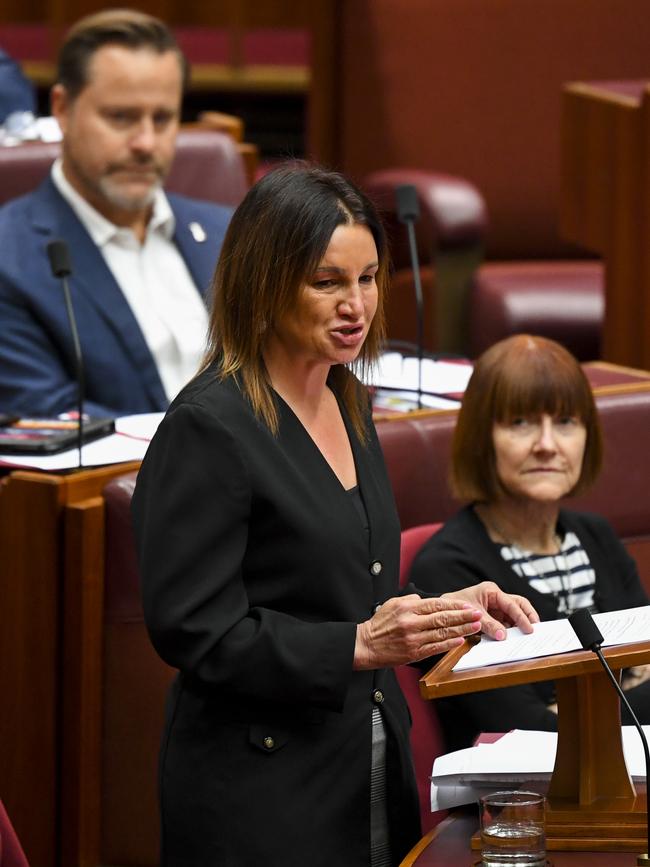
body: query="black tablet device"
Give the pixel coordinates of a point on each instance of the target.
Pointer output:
(46, 436)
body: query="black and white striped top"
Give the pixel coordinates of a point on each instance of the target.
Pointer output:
(567, 575)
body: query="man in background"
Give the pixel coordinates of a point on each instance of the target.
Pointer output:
(142, 259)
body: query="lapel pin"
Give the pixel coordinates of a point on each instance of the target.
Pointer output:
(198, 232)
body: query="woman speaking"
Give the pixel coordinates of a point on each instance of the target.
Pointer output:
(269, 549)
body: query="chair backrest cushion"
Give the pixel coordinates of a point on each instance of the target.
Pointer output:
(135, 684)
(411, 542)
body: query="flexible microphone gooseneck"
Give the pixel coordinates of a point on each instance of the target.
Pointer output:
(59, 257)
(589, 636)
(408, 212)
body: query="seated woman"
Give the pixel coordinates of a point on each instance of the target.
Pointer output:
(527, 436)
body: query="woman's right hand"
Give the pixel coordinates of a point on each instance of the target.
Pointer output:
(409, 628)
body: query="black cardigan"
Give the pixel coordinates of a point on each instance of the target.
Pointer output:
(256, 570)
(462, 553)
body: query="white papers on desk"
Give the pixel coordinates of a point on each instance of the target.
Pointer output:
(520, 759)
(407, 401)
(128, 443)
(141, 426)
(394, 370)
(557, 636)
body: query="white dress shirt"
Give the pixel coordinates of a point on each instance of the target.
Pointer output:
(155, 281)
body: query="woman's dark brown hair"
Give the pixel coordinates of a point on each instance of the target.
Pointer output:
(518, 377)
(276, 239)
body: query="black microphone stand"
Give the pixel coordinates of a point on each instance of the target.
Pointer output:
(591, 639)
(57, 252)
(408, 211)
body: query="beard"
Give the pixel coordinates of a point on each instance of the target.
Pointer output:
(121, 195)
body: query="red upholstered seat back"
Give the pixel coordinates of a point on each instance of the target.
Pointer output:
(135, 683)
(411, 542)
(417, 450)
(426, 734)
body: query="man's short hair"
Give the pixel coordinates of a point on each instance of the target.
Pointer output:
(125, 27)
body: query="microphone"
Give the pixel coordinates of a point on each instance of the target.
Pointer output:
(408, 212)
(590, 638)
(61, 268)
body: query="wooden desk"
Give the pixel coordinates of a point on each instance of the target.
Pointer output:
(37, 529)
(448, 845)
(605, 203)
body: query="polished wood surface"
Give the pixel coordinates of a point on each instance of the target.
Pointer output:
(449, 845)
(36, 661)
(592, 802)
(605, 203)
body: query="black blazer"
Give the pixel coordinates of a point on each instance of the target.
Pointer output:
(462, 553)
(256, 571)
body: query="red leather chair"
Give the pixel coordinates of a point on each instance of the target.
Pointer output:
(426, 734)
(11, 852)
(563, 300)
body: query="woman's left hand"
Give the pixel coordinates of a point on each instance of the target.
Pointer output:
(500, 609)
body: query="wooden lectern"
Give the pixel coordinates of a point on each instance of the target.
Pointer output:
(592, 802)
(605, 203)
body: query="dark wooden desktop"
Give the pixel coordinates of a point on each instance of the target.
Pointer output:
(448, 845)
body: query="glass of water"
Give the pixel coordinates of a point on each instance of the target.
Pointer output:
(512, 829)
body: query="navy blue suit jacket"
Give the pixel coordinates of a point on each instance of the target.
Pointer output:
(37, 366)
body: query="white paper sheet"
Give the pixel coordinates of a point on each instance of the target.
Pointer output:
(557, 636)
(113, 449)
(141, 426)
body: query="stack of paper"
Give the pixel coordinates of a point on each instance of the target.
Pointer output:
(557, 636)
(398, 371)
(520, 759)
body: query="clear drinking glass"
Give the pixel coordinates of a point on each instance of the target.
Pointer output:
(512, 829)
